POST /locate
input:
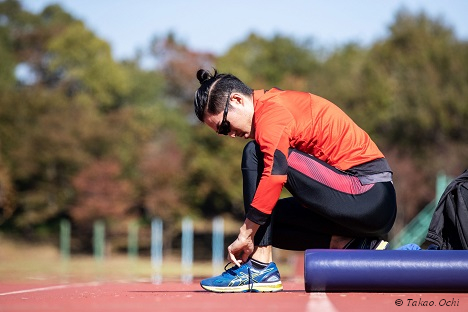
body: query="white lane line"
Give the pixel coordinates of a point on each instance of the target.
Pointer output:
(320, 302)
(49, 288)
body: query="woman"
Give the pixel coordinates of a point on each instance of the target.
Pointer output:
(343, 196)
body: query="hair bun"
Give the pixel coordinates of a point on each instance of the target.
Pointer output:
(204, 75)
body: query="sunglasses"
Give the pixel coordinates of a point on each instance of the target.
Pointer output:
(225, 126)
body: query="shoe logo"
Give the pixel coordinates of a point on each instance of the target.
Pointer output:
(243, 278)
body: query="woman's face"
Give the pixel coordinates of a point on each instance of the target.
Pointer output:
(240, 116)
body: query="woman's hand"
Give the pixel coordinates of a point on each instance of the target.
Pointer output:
(240, 250)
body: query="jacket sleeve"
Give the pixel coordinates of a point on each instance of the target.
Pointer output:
(272, 134)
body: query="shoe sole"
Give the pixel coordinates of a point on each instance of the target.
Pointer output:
(255, 287)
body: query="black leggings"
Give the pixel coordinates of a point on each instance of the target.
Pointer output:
(325, 202)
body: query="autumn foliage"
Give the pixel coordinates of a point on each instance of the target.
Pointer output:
(86, 137)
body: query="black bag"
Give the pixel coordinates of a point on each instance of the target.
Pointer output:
(449, 224)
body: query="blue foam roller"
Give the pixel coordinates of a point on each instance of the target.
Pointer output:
(386, 270)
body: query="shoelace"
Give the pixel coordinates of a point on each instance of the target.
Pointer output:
(232, 269)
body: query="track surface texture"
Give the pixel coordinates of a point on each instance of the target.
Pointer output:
(177, 296)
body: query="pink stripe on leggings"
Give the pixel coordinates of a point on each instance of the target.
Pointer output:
(316, 171)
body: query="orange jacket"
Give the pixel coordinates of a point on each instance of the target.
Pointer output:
(311, 124)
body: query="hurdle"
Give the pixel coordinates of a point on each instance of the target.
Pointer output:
(385, 270)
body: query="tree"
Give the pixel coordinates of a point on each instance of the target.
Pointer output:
(28, 37)
(412, 97)
(68, 117)
(102, 193)
(7, 205)
(45, 140)
(60, 52)
(7, 61)
(214, 184)
(84, 64)
(419, 68)
(263, 63)
(179, 65)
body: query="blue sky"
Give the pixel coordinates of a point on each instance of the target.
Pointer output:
(214, 26)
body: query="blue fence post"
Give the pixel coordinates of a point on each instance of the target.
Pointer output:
(65, 234)
(218, 244)
(99, 240)
(187, 250)
(132, 240)
(156, 250)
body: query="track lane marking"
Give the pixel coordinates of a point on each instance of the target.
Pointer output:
(320, 302)
(49, 288)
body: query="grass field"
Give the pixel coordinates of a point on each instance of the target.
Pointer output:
(20, 262)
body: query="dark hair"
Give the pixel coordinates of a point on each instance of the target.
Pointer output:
(211, 95)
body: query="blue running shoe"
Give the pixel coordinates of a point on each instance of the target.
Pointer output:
(245, 279)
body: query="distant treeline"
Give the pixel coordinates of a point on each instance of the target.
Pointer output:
(86, 137)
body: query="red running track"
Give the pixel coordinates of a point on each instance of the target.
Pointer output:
(175, 296)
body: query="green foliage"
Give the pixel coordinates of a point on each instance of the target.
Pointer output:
(416, 83)
(277, 62)
(214, 185)
(145, 87)
(7, 61)
(89, 137)
(89, 67)
(339, 79)
(178, 64)
(42, 137)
